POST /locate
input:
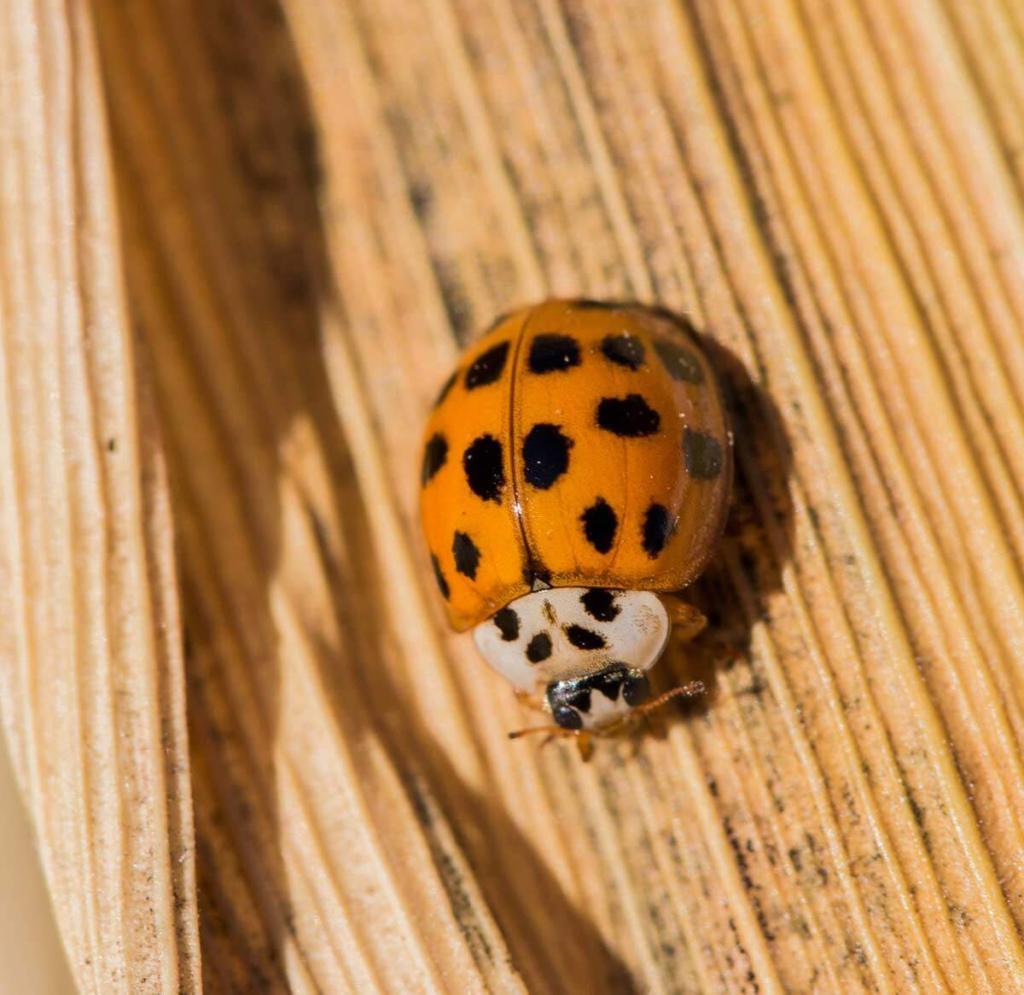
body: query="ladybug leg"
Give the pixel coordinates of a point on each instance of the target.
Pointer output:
(584, 739)
(585, 744)
(687, 621)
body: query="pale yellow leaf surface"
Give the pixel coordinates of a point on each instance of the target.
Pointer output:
(241, 245)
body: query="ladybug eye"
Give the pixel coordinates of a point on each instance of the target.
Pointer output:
(567, 717)
(635, 689)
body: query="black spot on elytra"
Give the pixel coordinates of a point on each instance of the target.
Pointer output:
(625, 350)
(681, 364)
(629, 416)
(551, 352)
(702, 454)
(658, 526)
(507, 622)
(435, 453)
(538, 648)
(599, 525)
(584, 639)
(487, 367)
(446, 388)
(467, 556)
(545, 455)
(439, 577)
(599, 603)
(484, 472)
(565, 717)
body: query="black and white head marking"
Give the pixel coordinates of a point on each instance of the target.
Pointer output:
(585, 648)
(598, 699)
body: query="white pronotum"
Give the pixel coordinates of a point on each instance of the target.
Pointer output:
(569, 632)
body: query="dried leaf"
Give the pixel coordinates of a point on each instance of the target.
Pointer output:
(318, 203)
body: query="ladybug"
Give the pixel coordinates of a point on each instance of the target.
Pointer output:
(576, 471)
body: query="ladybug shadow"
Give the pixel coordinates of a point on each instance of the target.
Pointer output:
(472, 840)
(757, 541)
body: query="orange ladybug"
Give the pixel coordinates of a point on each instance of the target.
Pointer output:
(576, 470)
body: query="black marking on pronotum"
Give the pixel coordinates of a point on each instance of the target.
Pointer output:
(550, 352)
(599, 525)
(548, 611)
(507, 622)
(658, 526)
(624, 350)
(538, 648)
(435, 453)
(484, 472)
(446, 387)
(681, 364)
(629, 416)
(467, 556)
(599, 603)
(439, 577)
(545, 455)
(487, 367)
(702, 454)
(583, 638)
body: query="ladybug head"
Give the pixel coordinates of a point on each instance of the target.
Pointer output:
(597, 700)
(586, 650)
